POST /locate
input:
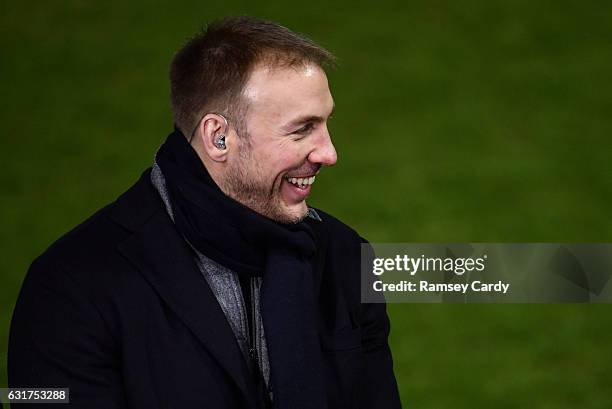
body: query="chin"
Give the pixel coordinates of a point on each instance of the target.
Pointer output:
(291, 214)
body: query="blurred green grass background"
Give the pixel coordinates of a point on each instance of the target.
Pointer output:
(455, 121)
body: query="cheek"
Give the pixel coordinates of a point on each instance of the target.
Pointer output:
(273, 160)
(294, 153)
(282, 160)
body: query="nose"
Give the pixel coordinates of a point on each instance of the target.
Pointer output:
(324, 151)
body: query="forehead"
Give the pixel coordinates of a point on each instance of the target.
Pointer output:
(282, 93)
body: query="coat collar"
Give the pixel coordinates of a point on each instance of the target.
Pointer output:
(164, 259)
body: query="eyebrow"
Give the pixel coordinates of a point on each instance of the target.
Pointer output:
(305, 119)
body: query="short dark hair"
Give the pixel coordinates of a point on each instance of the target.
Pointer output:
(209, 72)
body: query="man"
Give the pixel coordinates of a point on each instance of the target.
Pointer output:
(210, 283)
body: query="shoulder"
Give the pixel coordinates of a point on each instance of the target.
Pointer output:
(337, 229)
(93, 236)
(88, 252)
(342, 247)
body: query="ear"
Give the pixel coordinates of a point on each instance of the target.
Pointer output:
(207, 134)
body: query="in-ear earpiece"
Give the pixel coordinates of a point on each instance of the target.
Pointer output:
(220, 142)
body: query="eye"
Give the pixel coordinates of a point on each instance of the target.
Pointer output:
(305, 130)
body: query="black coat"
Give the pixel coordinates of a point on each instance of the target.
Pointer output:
(118, 311)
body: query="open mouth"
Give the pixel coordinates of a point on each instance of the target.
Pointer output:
(301, 182)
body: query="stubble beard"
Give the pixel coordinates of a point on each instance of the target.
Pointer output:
(245, 183)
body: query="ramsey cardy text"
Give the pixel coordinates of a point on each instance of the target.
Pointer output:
(426, 286)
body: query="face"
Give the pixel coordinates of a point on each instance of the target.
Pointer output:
(273, 168)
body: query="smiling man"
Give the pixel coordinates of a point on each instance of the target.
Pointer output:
(271, 165)
(211, 283)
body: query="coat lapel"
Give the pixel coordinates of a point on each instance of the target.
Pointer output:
(321, 239)
(164, 259)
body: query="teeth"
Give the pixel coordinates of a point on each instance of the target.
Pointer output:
(302, 181)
